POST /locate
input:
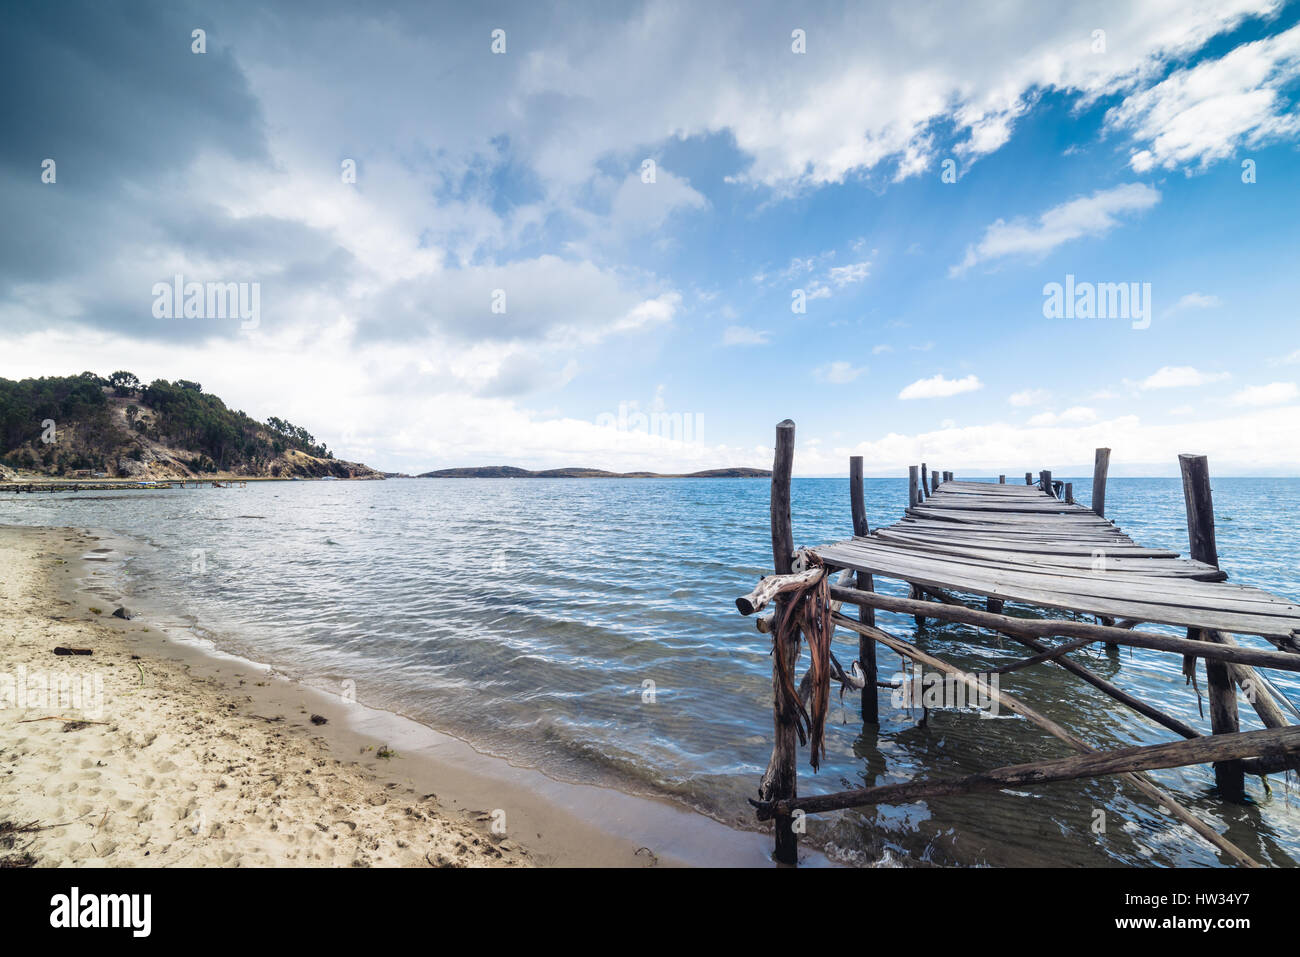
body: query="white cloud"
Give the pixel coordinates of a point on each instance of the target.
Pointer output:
(1072, 416)
(1231, 442)
(1271, 394)
(1027, 397)
(1093, 215)
(744, 336)
(1212, 110)
(1195, 300)
(1177, 377)
(844, 275)
(642, 206)
(938, 387)
(838, 373)
(877, 350)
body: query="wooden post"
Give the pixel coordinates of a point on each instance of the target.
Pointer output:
(1069, 493)
(913, 478)
(994, 606)
(1222, 691)
(782, 777)
(1002, 480)
(1029, 478)
(866, 614)
(856, 500)
(1045, 476)
(925, 482)
(1099, 468)
(934, 482)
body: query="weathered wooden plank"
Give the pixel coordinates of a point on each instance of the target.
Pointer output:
(992, 585)
(1067, 628)
(1172, 754)
(1085, 583)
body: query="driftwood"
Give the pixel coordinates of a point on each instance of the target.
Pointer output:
(1174, 754)
(773, 585)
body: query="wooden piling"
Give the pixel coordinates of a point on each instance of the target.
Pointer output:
(1222, 690)
(913, 480)
(781, 777)
(1045, 480)
(1002, 480)
(1069, 493)
(1029, 478)
(1101, 464)
(866, 614)
(925, 482)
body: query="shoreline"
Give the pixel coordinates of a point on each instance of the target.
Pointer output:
(211, 757)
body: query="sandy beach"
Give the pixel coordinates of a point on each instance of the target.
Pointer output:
(158, 766)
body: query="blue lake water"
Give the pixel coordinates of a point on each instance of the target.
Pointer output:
(530, 617)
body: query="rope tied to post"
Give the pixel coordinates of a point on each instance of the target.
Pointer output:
(806, 610)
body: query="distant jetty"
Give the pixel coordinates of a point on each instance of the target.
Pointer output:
(510, 471)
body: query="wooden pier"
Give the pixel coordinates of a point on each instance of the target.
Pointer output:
(1031, 544)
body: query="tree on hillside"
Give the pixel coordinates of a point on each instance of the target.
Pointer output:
(124, 383)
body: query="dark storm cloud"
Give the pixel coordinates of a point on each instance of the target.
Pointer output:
(112, 91)
(114, 94)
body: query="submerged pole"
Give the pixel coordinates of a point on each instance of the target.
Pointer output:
(1222, 693)
(866, 614)
(782, 777)
(1100, 466)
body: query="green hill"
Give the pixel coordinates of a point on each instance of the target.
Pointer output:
(83, 425)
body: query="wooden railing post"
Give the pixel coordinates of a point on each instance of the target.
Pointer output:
(782, 776)
(1002, 480)
(913, 490)
(925, 483)
(1195, 469)
(1099, 468)
(1029, 478)
(866, 614)
(1069, 493)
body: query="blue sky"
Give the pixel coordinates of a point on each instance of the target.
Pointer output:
(1104, 141)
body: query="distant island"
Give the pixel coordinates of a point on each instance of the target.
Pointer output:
(88, 426)
(510, 471)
